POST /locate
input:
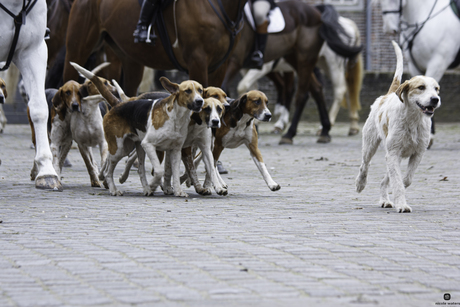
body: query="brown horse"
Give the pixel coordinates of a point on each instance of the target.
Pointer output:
(203, 37)
(307, 28)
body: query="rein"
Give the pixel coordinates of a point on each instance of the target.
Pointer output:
(231, 26)
(404, 26)
(19, 20)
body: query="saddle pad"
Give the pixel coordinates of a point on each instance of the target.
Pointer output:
(275, 16)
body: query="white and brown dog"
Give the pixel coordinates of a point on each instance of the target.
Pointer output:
(238, 128)
(401, 121)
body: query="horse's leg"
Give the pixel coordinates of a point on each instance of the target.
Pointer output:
(32, 65)
(280, 108)
(132, 77)
(232, 69)
(354, 78)
(316, 90)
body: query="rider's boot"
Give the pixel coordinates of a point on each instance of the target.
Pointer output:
(147, 11)
(257, 57)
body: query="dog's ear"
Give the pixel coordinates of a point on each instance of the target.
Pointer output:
(57, 101)
(171, 87)
(402, 89)
(83, 90)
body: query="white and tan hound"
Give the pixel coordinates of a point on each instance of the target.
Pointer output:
(401, 121)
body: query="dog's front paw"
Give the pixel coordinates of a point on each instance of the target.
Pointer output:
(116, 193)
(96, 184)
(386, 204)
(275, 187)
(403, 209)
(167, 190)
(148, 191)
(203, 191)
(180, 194)
(221, 191)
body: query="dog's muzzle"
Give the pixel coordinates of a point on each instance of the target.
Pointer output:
(265, 117)
(2, 99)
(215, 123)
(197, 105)
(431, 107)
(75, 107)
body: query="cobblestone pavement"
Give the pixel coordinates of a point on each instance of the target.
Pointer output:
(316, 242)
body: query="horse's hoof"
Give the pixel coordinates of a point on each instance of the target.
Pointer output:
(353, 131)
(324, 139)
(285, 141)
(48, 183)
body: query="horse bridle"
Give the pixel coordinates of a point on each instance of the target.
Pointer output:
(409, 39)
(19, 20)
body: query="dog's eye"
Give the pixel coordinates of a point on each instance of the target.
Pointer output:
(219, 110)
(68, 93)
(207, 110)
(106, 83)
(421, 87)
(200, 91)
(257, 102)
(188, 91)
(215, 96)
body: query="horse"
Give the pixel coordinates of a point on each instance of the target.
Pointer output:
(428, 35)
(346, 75)
(203, 38)
(307, 28)
(23, 28)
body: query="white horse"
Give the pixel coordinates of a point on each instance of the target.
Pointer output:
(30, 57)
(429, 34)
(345, 75)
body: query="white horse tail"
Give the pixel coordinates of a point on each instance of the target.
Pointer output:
(399, 69)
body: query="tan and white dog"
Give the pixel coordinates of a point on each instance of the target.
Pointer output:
(238, 128)
(401, 121)
(199, 135)
(167, 129)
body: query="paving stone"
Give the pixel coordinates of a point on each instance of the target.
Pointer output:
(316, 242)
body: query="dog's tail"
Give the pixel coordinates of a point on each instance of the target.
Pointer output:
(120, 91)
(399, 69)
(109, 97)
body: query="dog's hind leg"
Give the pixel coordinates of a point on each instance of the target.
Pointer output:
(371, 143)
(112, 162)
(90, 165)
(129, 163)
(166, 186)
(384, 197)
(141, 169)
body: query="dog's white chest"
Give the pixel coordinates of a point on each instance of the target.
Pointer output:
(241, 134)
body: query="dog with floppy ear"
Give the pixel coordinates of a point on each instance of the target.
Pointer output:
(238, 128)
(400, 120)
(168, 129)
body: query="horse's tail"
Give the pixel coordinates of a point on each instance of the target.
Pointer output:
(399, 69)
(91, 75)
(354, 78)
(331, 30)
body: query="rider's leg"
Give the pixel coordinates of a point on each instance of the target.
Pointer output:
(145, 17)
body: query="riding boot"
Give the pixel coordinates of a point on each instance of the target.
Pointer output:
(257, 57)
(145, 18)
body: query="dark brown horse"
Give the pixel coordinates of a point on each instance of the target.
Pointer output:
(203, 37)
(307, 28)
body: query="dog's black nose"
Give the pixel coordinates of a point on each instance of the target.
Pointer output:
(199, 102)
(434, 101)
(267, 116)
(215, 122)
(74, 106)
(2, 99)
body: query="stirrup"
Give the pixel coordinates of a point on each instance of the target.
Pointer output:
(148, 40)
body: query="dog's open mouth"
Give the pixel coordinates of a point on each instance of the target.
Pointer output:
(429, 110)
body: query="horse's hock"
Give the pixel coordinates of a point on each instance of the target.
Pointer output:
(375, 84)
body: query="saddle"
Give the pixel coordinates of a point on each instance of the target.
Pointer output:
(275, 16)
